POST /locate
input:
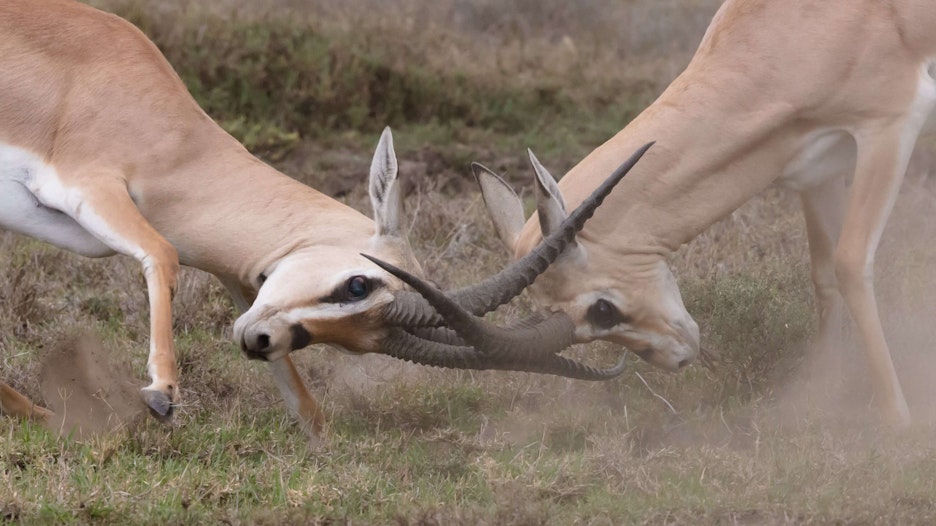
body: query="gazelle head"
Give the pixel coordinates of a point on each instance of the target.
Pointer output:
(334, 294)
(610, 294)
(327, 292)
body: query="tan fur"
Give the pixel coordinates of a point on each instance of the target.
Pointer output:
(141, 167)
(17, 405)
(769, 78)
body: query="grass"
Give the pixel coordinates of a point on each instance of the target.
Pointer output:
(309, 86)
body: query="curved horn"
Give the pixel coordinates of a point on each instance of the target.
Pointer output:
(547, 337)
(409, 309)
(438, 335)
(405, 346)
(507, 284)
(450, 337)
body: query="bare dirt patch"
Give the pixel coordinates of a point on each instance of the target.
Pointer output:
(89, 390)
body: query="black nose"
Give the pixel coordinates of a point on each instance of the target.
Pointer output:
(255, 347)
(683, 363)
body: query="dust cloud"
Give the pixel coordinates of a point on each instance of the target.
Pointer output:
(88, 389)
(834, 384)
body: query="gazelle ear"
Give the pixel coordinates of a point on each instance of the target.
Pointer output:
(549, 203)
(503, 205)
(384, 189)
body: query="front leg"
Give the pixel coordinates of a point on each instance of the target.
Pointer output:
(299, 401)
(98, 200)
(824, 209)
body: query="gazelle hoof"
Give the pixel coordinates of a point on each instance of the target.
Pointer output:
(159, 404)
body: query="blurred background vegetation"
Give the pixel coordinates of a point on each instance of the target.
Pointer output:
(274, 73)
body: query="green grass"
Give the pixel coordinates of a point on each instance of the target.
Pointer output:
(465, 448)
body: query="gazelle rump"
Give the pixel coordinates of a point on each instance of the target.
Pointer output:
(802, 92)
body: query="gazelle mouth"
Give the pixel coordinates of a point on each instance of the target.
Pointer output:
(442, 329)
(255, 355)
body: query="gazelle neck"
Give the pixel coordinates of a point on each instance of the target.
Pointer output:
(222, 235)
(713, 152)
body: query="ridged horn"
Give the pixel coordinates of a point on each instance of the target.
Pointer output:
(548, 337)
(405, 346)
(411, 310)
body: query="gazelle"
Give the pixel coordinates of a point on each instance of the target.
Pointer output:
(103, 151)
(806, 93)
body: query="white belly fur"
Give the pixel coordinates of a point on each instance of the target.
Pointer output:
(824, 154)
(21, 211)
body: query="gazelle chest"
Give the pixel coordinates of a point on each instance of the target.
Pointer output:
(821, 154)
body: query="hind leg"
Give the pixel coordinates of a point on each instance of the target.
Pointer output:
(17, 405)
(882, 160)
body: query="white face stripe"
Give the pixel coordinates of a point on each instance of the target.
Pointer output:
(272, 288)
(334, 311)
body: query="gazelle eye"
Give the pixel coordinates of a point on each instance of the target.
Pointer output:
(261, 279)
(358, 288)
(604, 315)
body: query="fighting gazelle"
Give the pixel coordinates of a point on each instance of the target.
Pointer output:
(807, 93)
(103, 151)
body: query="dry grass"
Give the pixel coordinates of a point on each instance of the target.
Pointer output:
(750, 441)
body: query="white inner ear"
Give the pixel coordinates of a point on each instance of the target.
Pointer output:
(383, 188)
(503, 205)
(549, 203)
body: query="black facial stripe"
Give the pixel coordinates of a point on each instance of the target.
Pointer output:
(341, 295)
(300, 337)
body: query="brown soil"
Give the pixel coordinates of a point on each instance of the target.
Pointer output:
(89, 391)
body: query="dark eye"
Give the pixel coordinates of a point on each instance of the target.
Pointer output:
(358, 288)
(604, 315)
(261, 279)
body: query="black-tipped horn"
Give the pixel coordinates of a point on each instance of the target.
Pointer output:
(410, 310)
(405, 346)
(530, 347)
(507, 284)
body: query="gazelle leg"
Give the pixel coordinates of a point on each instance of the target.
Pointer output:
(17, 405)
(110, 215)
(824, 209)
(882, 161)
(299, 401)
